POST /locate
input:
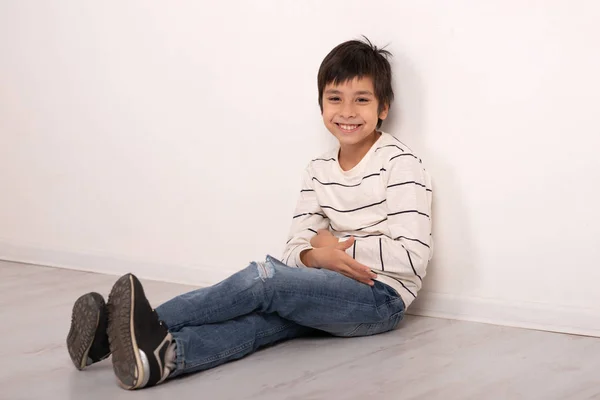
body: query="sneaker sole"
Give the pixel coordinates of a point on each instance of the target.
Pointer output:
(126, 359)
(84, 323)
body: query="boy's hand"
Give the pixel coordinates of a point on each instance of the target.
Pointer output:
(334, 258)
(323, 238)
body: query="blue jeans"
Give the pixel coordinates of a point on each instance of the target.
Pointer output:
(268, 302)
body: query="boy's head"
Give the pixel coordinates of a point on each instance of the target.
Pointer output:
(355, 90)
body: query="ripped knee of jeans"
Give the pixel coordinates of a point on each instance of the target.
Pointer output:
(265, 270)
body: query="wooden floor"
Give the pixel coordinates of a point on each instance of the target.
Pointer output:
(426, 358)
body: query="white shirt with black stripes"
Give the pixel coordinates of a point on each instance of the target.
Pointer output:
(384, 202)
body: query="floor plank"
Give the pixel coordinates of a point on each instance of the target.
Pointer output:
(426, 358)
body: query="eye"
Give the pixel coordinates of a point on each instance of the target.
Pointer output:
(362, 100)
(333, 99)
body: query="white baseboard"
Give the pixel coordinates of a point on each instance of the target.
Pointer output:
(196, 275)
(539, 316)
(547, 317)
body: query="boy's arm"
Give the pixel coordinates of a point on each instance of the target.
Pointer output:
(308, 219)
(408, 198)
(324, 250)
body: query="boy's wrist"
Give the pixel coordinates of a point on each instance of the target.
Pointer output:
(306, 257)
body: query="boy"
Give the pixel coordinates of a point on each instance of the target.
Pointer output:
(358, 249)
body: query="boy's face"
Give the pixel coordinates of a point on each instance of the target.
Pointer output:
(350, 110)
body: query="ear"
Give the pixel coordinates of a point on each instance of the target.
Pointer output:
(384, 112)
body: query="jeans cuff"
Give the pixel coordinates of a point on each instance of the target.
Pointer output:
(179, 358)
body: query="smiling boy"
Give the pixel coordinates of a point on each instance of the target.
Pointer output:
(357, 252)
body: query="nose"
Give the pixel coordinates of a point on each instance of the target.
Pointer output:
(348, 110)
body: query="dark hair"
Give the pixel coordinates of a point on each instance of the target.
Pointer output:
(357, 59)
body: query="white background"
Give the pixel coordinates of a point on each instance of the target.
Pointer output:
(168, 139)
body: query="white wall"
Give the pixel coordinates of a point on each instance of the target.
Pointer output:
(168, 139)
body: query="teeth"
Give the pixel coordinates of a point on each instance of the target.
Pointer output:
(348, 127)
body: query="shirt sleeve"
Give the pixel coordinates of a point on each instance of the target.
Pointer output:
(308, 219)
(408, 248)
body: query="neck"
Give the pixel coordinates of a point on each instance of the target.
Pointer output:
(350, 155)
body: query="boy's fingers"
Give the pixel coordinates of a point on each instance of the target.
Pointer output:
(351, 268)
(350, 273)
(352, 263)
(367, 274)
(361, 275)
(359, 279)
(346, 243)
(357, 267)
(344, 270)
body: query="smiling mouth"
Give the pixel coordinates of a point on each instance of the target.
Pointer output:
(348, 128)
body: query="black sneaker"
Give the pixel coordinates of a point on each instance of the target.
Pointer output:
(138, 340)
(87, 340)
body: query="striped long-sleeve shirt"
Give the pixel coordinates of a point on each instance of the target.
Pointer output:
(384, 202)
